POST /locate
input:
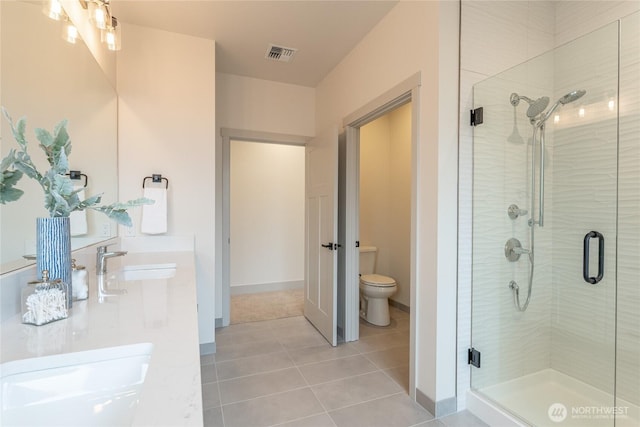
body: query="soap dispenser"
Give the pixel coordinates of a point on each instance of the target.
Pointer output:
(79, 285)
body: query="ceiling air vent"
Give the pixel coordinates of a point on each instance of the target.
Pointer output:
(280, 53)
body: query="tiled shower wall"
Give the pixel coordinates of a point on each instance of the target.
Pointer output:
(496, 36)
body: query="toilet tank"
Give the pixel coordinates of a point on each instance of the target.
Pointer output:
(368, 259)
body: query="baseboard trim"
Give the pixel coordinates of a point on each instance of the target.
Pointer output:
(266, 287)
(207, 348)
(425, 402)
(400, 306)
(446, 407)
(438, 409)
(218, 323)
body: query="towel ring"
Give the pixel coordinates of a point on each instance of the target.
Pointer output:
(155, 178)
(78, 175)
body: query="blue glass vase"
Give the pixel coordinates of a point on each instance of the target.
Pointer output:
(53, 249)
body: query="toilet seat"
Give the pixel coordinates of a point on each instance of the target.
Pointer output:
(377, 280)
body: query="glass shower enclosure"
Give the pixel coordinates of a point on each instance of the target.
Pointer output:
(556, 233)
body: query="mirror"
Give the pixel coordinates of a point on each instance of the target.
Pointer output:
(47, 79)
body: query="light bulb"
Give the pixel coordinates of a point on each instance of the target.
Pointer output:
(110, 39)
(111, 36)
(100, 18)
(556, 118)
(70, 32)
(99, 14)
(611, 104)
(581, 112)
(53, 9)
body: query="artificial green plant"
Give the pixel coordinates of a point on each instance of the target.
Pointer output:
(60, 198)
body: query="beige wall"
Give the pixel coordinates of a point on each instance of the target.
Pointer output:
(262, 105)
(267, 213)
(166, 84)
(385, 195)
(416, 37)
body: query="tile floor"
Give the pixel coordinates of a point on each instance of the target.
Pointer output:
(282, 372)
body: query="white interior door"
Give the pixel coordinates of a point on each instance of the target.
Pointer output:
(321, 234)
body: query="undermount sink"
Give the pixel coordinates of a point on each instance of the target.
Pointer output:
(148, 271)
(96, 387)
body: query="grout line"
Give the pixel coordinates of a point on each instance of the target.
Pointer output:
(255, 374)
(386, 396)
(314, 393)
(304, 418)
(254, 355)
(384, 371)
(265, 395)
(219, 395)
(329, 360)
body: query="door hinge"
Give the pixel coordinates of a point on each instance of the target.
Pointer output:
(476, 116)
(357, 243)
(474, 357)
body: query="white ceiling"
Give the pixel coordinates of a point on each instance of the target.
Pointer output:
(324, 32)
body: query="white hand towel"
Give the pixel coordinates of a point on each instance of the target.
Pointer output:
(154, 217)
(78, 219)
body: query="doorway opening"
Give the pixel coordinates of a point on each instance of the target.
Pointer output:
(396, 229)
(385, 235)
(255, 244)
(267, 202)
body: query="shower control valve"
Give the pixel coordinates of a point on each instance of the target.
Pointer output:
(513, 249)
(514, 211)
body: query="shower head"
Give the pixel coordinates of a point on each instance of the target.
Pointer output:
(564, 100)
(572, 96)
(536, 106)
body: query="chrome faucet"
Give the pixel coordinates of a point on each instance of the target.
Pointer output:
(102, 256)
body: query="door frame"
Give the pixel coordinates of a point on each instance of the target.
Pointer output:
(223, 217)
(404, 92)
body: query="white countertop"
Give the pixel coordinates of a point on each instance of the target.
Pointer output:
(161, 312)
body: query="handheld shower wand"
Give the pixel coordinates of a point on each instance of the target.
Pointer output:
(537, 117)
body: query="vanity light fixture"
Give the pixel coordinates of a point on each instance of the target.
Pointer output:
(99, 14)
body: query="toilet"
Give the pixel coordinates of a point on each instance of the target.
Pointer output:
(375, 289)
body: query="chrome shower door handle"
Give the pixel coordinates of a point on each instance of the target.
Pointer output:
(585, 257)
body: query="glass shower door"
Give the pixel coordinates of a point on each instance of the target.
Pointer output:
(544, 234)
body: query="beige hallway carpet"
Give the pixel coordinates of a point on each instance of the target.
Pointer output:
(266, 306)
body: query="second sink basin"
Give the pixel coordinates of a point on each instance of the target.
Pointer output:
(148, 271)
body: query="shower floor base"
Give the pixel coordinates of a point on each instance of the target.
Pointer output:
(550, 398)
